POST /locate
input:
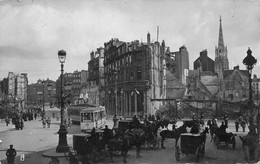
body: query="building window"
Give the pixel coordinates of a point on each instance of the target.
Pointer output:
(139, 74)
(131, 76)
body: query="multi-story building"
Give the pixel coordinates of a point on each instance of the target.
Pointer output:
(12, 83)
(67, 78)
(76, 84)
(134, 74)
(84, 85)
(178, 63)
(4, 86)
(38, 93)
(22, 87)
(96, 78)
(256, 88)
(17, 88)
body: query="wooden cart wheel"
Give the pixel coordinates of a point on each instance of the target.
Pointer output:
(153, 144)
(102, 154)
(177, 153)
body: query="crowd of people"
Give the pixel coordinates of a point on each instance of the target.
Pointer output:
(18, 119)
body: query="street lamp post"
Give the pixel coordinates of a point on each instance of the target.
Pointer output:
(62, 145)
(249, 61)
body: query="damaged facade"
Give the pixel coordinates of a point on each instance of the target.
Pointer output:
(134, 73)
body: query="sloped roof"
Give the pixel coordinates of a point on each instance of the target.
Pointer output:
(229, 72)
(204, 89)
(172, 81)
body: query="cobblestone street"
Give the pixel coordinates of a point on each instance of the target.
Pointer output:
(34, 140)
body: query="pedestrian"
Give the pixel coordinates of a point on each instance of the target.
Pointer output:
(237, 125)
(48, 121)
(35, 115)
(21, 124)
(138, 144)
(7, 121)
(243, 124)
(226, 120)
(53, 115)
(58, 118)
(44, 123)
(10, 153)
(115, 121)
(69, 122)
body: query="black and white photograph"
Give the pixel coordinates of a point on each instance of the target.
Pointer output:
(129, 81)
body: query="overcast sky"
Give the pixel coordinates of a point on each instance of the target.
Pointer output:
(32, 31)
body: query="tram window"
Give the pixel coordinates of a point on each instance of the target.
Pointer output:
(92, 117)
(81, 117)
(88, 116)
(101, 114)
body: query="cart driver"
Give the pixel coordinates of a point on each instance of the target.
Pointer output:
(223, 128)
(195, 129)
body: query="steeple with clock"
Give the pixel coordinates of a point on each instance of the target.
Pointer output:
(221, 59)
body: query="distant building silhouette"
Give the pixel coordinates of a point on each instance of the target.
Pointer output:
(204, 62)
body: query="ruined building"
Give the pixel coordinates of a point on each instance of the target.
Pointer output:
(134, 73)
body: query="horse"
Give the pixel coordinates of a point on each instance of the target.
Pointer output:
(173, 134)
(204, 135)
(165, 122)
(116, 145)
(152, 127)
(212, 128)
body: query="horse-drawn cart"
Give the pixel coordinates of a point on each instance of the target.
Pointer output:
(226, 138)
(192, 144)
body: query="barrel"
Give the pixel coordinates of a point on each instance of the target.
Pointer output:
(79, 142)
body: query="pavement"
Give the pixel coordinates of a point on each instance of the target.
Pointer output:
(34, 140)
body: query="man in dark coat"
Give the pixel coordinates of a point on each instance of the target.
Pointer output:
(107, 135)
(10, 153)
(223, 128)
(226, 120)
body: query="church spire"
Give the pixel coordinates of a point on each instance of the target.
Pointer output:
(220, 37)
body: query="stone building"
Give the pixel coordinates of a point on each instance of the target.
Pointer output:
(235, 86)
(204, 62)
(178, 63)
(256, 88)
(134, 74)
(221, 59)
(84, 86)
(76, 84)
(17, 88)
(36, 91)
(67, 78)
(96, 93)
